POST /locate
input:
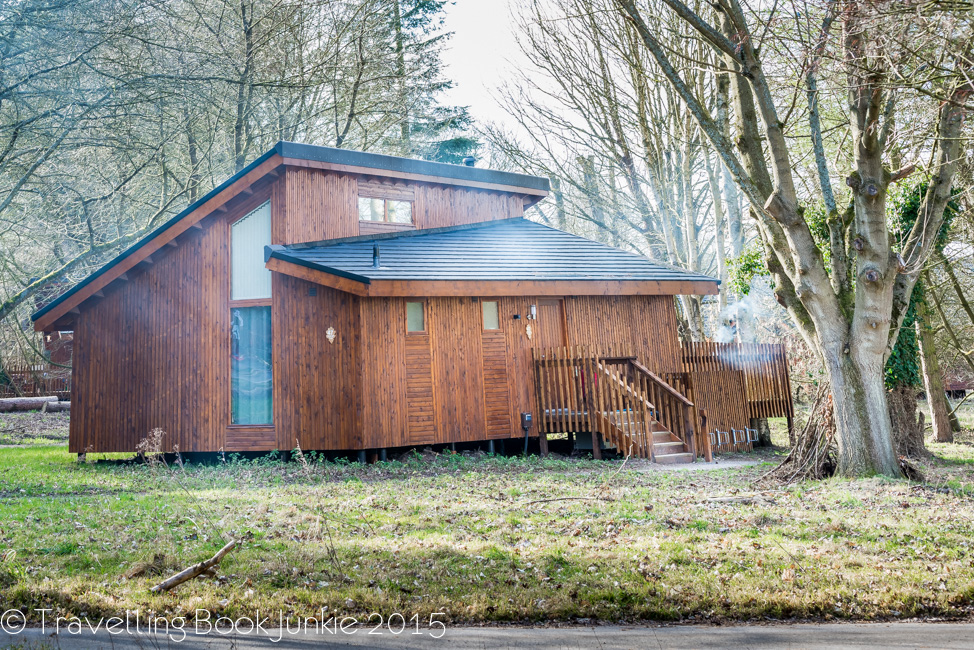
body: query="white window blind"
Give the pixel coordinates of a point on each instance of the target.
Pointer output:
(249, 279)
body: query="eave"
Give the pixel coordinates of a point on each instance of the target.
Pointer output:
(361, 286)
(57, 314)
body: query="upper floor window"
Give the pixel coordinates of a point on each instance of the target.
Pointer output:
(385, 210)
(250, 279)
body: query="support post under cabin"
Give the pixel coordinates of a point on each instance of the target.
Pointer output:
(596, 445)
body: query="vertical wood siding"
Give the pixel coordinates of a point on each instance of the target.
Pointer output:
(445, 205)
(319, 205)
(455, 331)
(644, 324)
(314, 204)
(317, 401)
(383, 372)
(153, 353)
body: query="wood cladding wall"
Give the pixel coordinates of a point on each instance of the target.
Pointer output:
(644, 324)
(317, 401)
(460, 383)
(314, 204)
(153, 353)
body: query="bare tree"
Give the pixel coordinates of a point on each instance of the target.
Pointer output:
(851, 310)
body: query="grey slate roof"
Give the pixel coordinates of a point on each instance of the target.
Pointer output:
(510, 249)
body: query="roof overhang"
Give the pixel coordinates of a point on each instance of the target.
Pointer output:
(280, 262)
(60, 312)
(56, 314)
(532, 188)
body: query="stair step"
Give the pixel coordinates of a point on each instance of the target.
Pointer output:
(664, 436)
(669, 447)
(672, 459)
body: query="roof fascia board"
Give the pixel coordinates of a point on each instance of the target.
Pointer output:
(464, 288)
(137, 252)
(317, 275)
(410, 168)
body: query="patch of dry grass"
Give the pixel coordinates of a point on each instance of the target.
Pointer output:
(481, 539)
(33, 428)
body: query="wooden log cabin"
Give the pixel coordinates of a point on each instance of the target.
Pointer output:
(345, 301)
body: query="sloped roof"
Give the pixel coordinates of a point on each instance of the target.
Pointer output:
(287, 153)
(504, 250)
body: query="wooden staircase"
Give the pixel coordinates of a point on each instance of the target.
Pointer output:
(618, 399)
(667, 448)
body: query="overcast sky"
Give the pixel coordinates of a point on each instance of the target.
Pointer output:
(480, 55)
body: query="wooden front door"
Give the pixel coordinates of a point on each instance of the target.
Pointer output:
(550, 324)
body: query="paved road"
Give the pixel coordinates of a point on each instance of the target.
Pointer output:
(832, 636)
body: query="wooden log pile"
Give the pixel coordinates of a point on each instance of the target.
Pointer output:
(46, 403)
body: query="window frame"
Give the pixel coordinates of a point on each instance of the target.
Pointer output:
(385, 210)
(405, 314)
(232, 304)
(483, 322)
(246, 302)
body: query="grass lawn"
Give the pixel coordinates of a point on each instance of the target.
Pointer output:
(486, 539)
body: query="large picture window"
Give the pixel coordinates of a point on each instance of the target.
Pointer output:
(251, 369)
(251, 384)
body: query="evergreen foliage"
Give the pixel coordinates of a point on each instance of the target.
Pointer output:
(903, 366)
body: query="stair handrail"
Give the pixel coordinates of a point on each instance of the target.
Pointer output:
(683, 403)
(641, 437)
(662, 383)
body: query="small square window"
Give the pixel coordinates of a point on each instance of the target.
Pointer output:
(371, 209)
(415, 317)
(399, 212)
(491, 318)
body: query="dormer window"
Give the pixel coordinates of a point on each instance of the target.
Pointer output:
(385, 210)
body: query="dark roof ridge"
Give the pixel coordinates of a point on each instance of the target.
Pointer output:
(415, 166)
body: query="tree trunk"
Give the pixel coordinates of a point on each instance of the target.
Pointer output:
(933, 382)
(862, 420)
(907, 421)
(25, 403)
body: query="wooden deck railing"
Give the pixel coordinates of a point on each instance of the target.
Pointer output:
(734, 383)
(612, 394)
(34, 380)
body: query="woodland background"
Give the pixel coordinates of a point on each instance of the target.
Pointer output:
(115, 115)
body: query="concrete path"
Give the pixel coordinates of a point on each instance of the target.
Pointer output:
(699, 466)
(832, 636)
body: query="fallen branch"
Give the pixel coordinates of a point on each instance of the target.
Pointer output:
(195, 570)
(531, 503)
(55, 407)
(747, 499)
